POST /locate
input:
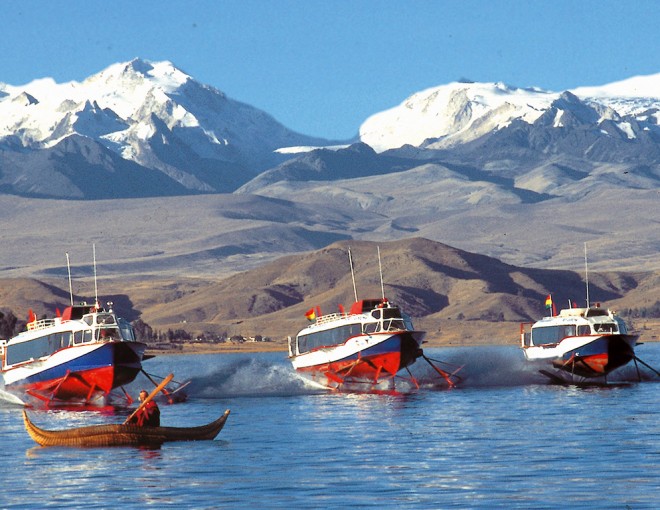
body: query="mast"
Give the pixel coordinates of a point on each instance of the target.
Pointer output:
(68, 268)
(380, 270)
(350, 261)
(586, 272)
(96, 289)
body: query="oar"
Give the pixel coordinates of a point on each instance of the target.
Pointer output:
(150, 396)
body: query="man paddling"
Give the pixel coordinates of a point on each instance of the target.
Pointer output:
(148, 415)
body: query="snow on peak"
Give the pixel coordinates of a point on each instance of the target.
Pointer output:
(119, 92)
(444, 116)
(163, 75)
(454, 113)
(635, 87)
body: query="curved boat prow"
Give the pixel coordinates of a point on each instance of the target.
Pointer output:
(122, 435)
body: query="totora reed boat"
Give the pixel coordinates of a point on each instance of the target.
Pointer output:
(122, 435)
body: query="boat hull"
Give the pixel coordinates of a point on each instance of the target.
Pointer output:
(79, 372)
(362, 359)
(587, 356)
(122, 435)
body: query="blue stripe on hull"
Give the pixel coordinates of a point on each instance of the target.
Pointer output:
(125, 356)
(619, 352)
(403, 342)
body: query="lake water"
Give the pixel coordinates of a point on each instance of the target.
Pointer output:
(504, 439)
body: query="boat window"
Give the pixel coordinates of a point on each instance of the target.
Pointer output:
(127, 331)
(371, 327)
(33, 349)
(56, 342)
(393, 325)
(77, 337)
(407, 322)
(88, 319)
(551, 334)
(108, 334)
(391, 313)
(105, 318)
(623, 329)
(328, 337)
(607, 327)
(87, 336)
(584, 330)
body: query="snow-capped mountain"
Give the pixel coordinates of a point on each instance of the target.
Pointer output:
(450, 115)
(148, 129)
(149, 114)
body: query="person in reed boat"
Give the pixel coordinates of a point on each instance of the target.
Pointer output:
(149, 415)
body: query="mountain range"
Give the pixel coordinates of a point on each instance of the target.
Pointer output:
(456, 296)
(140, 129)
(173, 181)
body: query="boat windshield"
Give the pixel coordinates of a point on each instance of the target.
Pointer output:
(127, 331)
(388, 319)
(605, 327)
(623, 329)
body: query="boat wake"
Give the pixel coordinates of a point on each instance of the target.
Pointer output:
(248, 377)
(482, 367)
(7, 399)
(495, 366)
(222, 376)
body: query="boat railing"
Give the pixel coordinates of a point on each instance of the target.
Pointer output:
(40, 324)
(324, 319)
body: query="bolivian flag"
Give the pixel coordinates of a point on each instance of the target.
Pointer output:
(310, 314)
(548, 301)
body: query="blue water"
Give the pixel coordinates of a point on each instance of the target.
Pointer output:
(504, 439)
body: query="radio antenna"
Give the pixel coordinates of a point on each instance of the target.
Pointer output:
(96, 288)
(68, 268)
(586, 273)
(380, 270)
(350, 261)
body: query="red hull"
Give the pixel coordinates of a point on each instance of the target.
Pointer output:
(81, 385)
(372, 368)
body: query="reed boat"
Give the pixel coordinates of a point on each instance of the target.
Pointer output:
(122, 435)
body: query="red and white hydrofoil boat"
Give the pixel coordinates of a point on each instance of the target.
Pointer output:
(369, 345)
(579, 342)
(77, 357)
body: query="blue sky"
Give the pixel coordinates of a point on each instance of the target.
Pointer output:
(321, 67)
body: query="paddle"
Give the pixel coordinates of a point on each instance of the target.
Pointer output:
(151, 395)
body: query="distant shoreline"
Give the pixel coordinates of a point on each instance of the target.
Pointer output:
(452, 334)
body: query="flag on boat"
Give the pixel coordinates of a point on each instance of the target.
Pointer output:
(548, 301)
(310, 314)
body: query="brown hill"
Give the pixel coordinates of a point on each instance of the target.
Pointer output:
(451, 293)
